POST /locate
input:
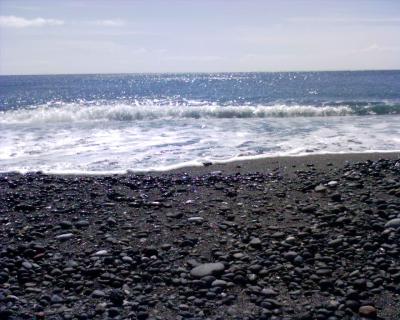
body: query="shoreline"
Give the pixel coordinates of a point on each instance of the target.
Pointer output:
(245, 163)
(300, 238)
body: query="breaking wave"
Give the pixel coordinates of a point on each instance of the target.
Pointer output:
(77, 112)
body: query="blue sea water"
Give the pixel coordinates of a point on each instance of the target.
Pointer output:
(114, 123)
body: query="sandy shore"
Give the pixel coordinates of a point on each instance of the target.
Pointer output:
(313, 237)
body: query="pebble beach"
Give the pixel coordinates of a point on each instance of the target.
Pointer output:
(314, 237)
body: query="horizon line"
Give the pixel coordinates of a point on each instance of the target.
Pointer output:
(191, 72)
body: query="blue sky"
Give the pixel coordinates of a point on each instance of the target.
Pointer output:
(49, 37)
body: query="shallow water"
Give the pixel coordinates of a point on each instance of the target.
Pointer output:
(114, 123)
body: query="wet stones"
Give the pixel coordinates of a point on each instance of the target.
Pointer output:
(278, 249)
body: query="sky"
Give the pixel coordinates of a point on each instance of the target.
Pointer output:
(95, 36)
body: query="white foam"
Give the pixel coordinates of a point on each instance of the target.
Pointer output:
(110, 147)
(72, 112)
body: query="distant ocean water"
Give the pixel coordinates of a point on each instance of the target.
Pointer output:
(114, 123)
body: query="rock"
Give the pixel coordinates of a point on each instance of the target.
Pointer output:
(219, 283)
(195, 219)
(367, 311)
(332, 184)
(394, 223)
(111, 221)
(82, 224)
(27, 265)
(101, 307)
(66, 224)
(268, 292)
(320, 188)
(98, 294)
(56, 299)
(65, 236)
(175, 215)
(100, 253)
(255, 243)
(207, 269)
(127, 259)
(290, 255)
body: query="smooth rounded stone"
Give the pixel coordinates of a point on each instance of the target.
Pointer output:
(100, 253)
(56, 299)
(268, 292)
(166, 246)
(175, 215)
(82, 224)
(255, 243)
(65, 236)
(66, 224)
(290, 239)
(238, 255)
(290, 255)
(207, 269)
(367, 311)
(98, 294)
(332, 183)
(320, 188)
(394, 223)
(27, 265)
(196, 219)
(219, 283)
(127, 259)
(101, 307)
(111, 221)
(278, 235)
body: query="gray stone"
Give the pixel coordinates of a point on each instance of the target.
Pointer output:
(82, 224)
(255, 242)
(332, 183)
(127, 259)
(320, 188)
(195, 219)
(207, 269)
(65, 236)
(394, 223)
(219, 283)
(101, 253)
(98, 293)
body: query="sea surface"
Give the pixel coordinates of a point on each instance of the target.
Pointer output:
(119, 122)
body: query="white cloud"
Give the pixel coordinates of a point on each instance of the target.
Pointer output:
(109, 23)
(19, 22)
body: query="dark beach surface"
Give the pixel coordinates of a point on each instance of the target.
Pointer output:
(314, 237)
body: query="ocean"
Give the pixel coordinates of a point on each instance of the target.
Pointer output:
(113, 123)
